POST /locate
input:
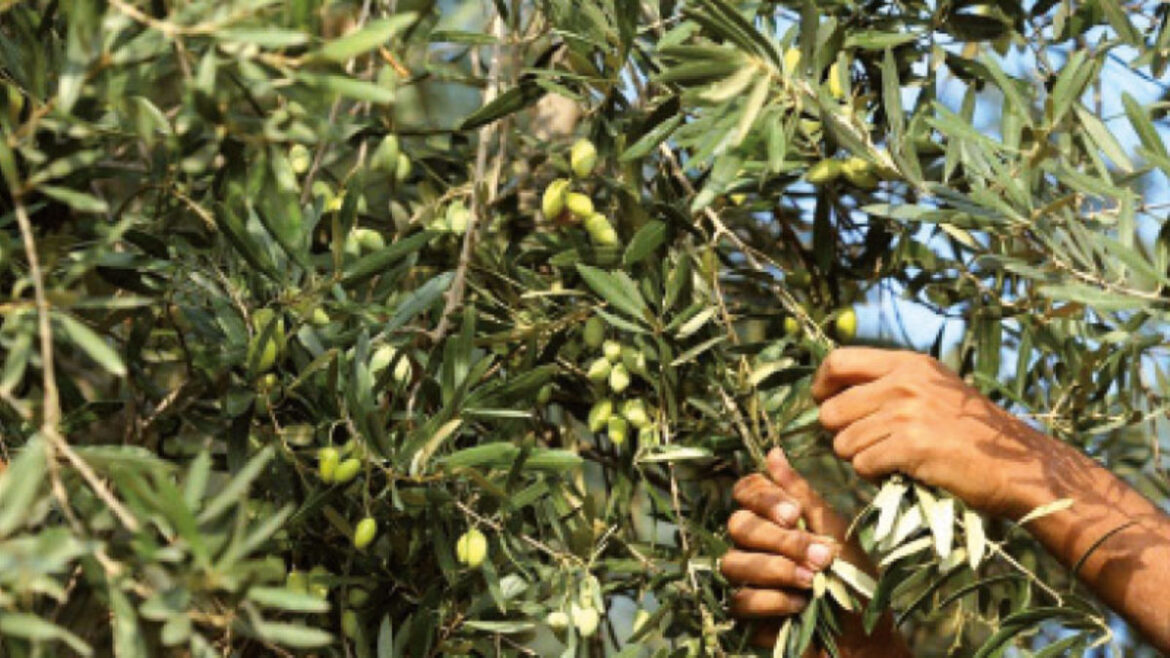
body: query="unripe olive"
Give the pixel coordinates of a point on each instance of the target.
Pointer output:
(458, 217)
(617, 428)
(327, 459)
(357, 597)
(859, 172)
(403, 168)
(585, 619)
(601, 232)
(557, 620)
(824, 171)
(318, 583)
(471, 548)
(582, 158)
(347, 470)
(599, 414)
(383, 357)
(364, 533)
(810, 127)
(544, 394)
(299, 158)
(297, 582)
(635, 412)
(385, 157)
(320, 317)
(267, 384)
(648, 436)
(579, 204)
(612, 350)
(619, 378)
(599, 370)
(552, 204)
(349, 623)
(846, 325)
(791, 60)
(369, 239)
(836, 87)
(267, 343)
(798, 278)
(791, 326)
(594, 333)
(634, 359)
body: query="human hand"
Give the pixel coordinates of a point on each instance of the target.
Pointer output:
(776, 561)
(905, 412)
(777, 567)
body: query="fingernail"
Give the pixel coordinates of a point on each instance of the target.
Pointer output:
(804, 577)
(787, 512)
(819, 555)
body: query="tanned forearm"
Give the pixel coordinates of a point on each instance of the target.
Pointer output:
(1129, 570)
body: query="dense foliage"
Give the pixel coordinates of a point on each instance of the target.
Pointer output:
(409, 329)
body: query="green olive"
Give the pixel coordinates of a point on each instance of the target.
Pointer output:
(599, 370)
(599, 414)
(583, 158)
(299, 158)
(586, 619)
(846, 325)
(612, 350)
(385, 157)
(471, 548)
(364, 533)
(552, 204)
(619, 378)
(579, 204)
(327, 459)
(347, 470)
(594, 332)
(617, 428)
(825, 171)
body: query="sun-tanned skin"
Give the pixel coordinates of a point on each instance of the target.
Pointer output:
(901, 412)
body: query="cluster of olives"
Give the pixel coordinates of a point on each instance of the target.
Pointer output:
(562, 204)
(582, 611)
(615, 369)
(316, 583)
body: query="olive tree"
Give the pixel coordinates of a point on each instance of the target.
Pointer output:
(408, 329)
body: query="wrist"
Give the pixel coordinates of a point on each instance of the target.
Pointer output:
(1028, 481)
